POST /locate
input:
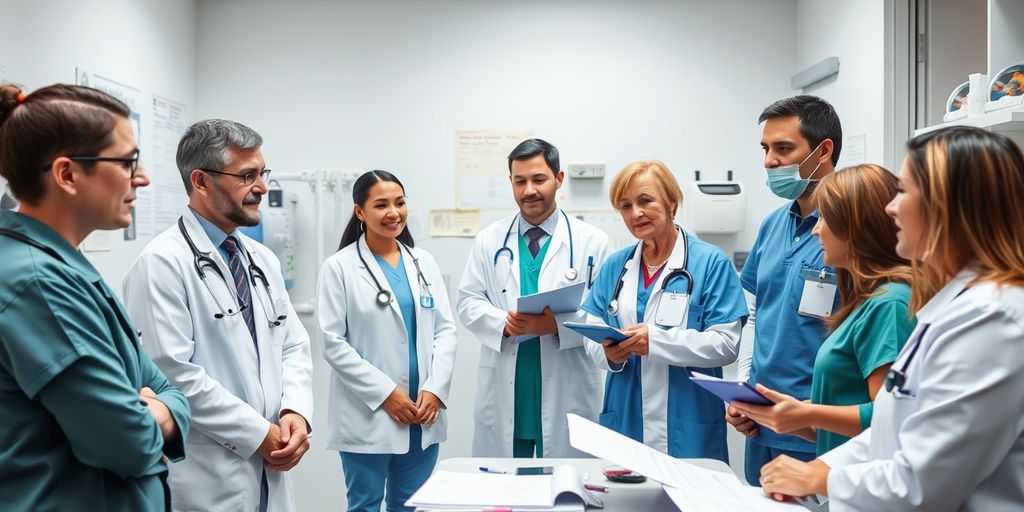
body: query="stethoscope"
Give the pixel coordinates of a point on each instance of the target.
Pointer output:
(613, 306)
(202, 263)
(570, 274)
(385, 297)
(896, 380)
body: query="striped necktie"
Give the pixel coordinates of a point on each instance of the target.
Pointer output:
(230, 245)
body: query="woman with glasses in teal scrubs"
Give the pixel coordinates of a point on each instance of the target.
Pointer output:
(88, 422)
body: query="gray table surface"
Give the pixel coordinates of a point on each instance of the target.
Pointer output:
(620, 497)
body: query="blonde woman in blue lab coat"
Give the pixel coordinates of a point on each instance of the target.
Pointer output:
(389, 335)
(640, 290)
(88, 422)
(947, 431)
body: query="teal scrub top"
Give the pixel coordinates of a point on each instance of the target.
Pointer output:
(869, 338)
(74, 434)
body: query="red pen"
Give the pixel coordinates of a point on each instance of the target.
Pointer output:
(596, 488)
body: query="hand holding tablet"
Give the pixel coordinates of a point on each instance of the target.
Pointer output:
(597, 333)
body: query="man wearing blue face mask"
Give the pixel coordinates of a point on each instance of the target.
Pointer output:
(788, 285)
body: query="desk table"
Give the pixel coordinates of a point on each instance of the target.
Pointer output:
(620, 497)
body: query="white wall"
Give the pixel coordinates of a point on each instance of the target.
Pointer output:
(356, 86)
(148, 44)
(853, 31)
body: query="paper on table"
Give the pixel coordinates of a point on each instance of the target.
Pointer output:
(707, 490)
(710, 499)
(563, 490)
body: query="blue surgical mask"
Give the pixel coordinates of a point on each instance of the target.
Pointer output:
(785, 181)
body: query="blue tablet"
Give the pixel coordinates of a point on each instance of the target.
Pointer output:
(597, 333)
(730, 390)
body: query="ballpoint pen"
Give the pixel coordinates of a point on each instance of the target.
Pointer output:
(590, 271)
(492, 470)
(595, 487)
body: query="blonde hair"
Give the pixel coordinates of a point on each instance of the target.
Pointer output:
(972, 202)
(852, 202)
(658, 171)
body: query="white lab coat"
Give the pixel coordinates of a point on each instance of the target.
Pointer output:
(958, 442)
(233, 394)
(367, 346)
(570, 381)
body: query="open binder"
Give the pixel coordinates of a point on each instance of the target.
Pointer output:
(563, 491)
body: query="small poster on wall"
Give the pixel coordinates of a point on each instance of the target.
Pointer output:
(481, 167)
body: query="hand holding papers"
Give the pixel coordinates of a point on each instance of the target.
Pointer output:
(730, 390)
(693, 487)
(561, 300)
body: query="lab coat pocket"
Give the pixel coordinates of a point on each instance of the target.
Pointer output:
(207, 461)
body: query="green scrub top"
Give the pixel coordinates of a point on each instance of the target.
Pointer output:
(870, 337)
(74, 434)
(527, 424)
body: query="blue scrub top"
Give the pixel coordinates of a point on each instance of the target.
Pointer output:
(696, 418)
(786, 342)
(399, 282)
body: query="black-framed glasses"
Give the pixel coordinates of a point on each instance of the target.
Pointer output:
(132, 162)
(248, 178)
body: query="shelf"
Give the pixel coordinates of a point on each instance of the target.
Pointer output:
(1009, 121)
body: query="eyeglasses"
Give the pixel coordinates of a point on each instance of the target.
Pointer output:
(132, 162)
(248, 178)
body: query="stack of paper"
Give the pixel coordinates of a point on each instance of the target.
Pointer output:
(691, 487)
(562, 491)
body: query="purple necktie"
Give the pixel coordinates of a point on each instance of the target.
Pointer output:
(534, 234)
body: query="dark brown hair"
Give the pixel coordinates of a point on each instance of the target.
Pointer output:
(51, 122)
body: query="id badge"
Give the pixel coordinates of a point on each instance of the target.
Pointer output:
(671, 309)
(819, 293)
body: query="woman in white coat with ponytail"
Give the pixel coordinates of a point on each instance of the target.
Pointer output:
(389, 335)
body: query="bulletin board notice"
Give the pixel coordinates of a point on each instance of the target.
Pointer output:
(481, 167)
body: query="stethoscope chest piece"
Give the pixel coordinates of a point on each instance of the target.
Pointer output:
(427, 301)
(383, 298)
(571, 274)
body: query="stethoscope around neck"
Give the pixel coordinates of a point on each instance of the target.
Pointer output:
(613, 306)
(202, 263)
(384, 296)
(570, 274)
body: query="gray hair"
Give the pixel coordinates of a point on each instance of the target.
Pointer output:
(206, 145)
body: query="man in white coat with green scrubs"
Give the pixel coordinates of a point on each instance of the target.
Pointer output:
(526, 387)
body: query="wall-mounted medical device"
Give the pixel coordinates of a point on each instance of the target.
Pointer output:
(277, 229)
(715, 206)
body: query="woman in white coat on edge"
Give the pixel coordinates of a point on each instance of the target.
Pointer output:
(948, 430)
(389, 336)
